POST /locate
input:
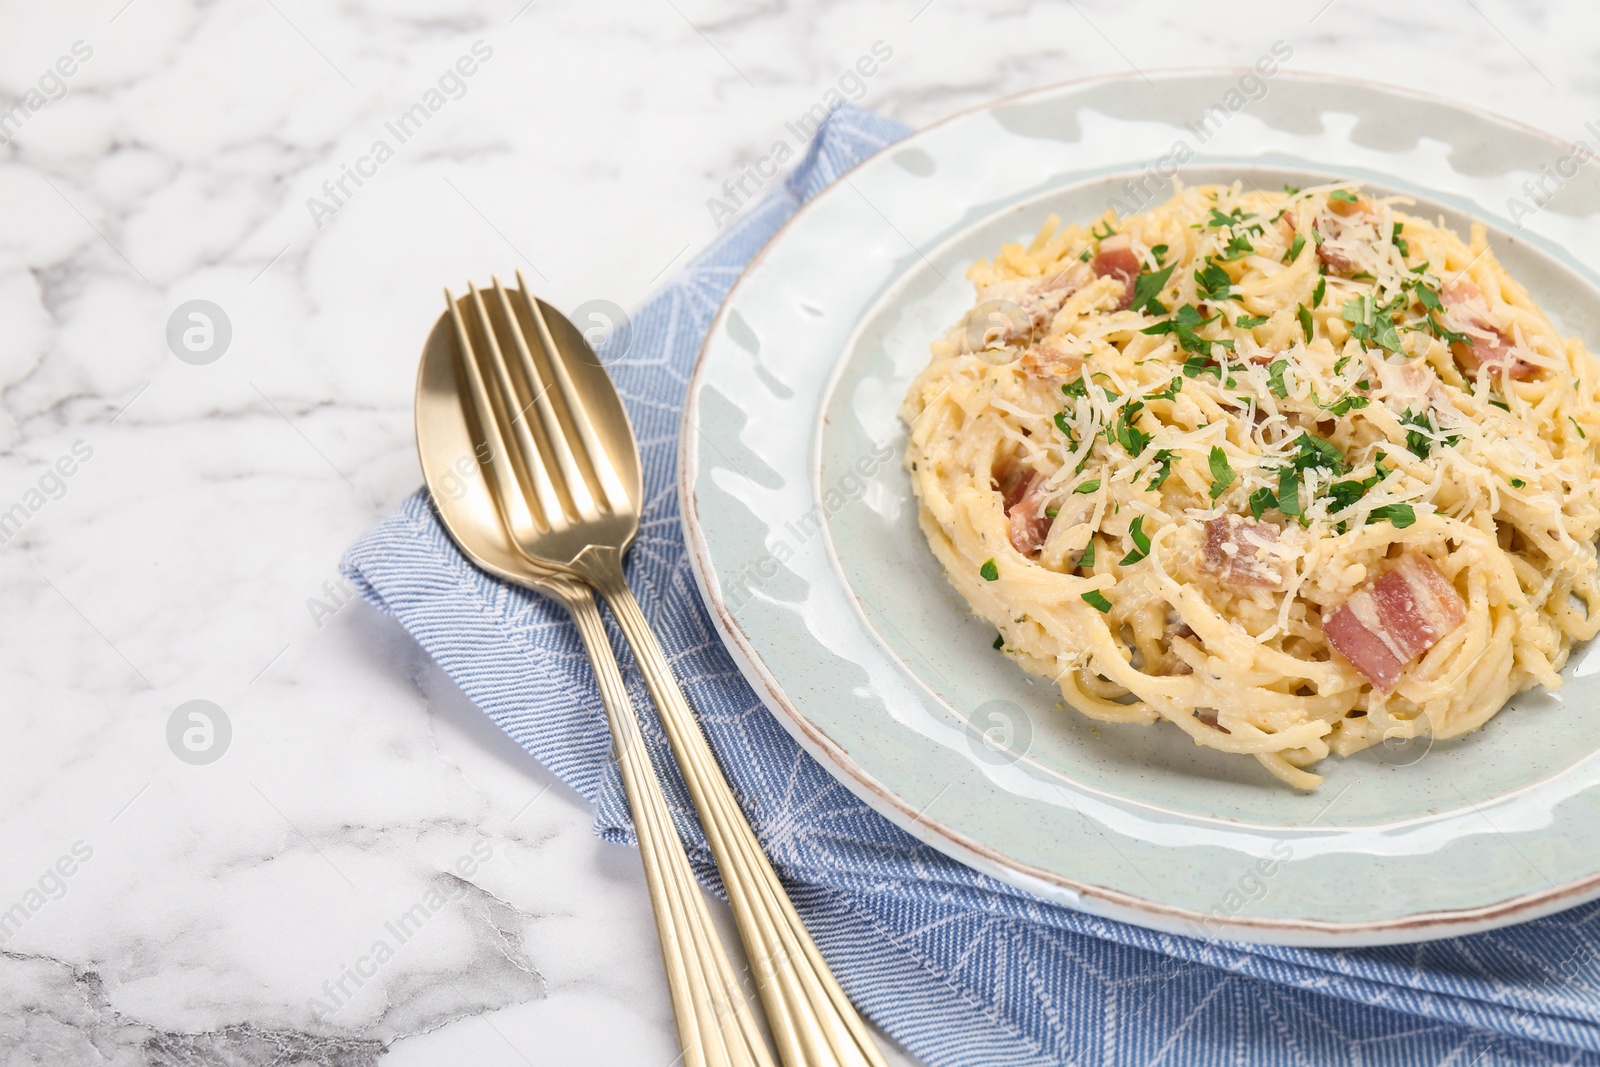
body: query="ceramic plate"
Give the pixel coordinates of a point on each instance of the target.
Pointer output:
(803, 530)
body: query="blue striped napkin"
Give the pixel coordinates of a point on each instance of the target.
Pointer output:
(960, 968)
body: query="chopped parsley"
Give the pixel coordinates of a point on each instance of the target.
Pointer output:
(1294, 249)
(1239, 246)
(1183, 324)
(1052, 512)
(1222, 474)
(1575, 426)
(1098, 236)
(1305, 322)
(1343, 494)
(1419, 436)
(1320, 291)
(1344, 196)
(989, 572)
(1232, 218)
(1275, 378)
(1141, 543)
(1078, 387)
(1399, 515)
(1426, 296)
(1064, 426)
(1097, 600)
(1400, 242)
(1213, 281)
(1163, 460)
(1288, 497)
(1518, 483)
(1090, 486)
(1249, 322)
(1174, 387)
(1347, 403)
(1261, 500)
(1124, 429)
(1087, 559)
(1160, 252)
(999, 641)
(1314, 451)
(1147, 286)
(1311, 452)
(1370, 323)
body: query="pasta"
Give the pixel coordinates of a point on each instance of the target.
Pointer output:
(1294, 471)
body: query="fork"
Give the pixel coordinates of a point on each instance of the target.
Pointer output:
(572, 512)
(716, 1025)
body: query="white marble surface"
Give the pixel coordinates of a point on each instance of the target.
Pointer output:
(178, 561)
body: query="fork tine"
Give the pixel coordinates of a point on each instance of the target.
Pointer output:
(514, 430)
(599, 460)
(511, 497)
(577, 485)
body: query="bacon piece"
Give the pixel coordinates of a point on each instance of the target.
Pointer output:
(1232, 551)
(1171, 667)
(1494, 357)
(1115, 259)
(1024, 506)
(1330, 254)
(1494, 354)
(1033, 310)
(1014, 486)
(1331, 247)
(1067, 280)
(1170, 663)
(1389, 622)
(1049, 359)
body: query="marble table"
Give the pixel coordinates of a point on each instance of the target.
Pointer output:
(175, 492)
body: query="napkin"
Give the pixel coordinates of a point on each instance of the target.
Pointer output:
(958, 967)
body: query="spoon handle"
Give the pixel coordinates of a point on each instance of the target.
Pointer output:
(715, 1024)
(812, 1020)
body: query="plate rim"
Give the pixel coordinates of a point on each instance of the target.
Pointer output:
(1057, 888)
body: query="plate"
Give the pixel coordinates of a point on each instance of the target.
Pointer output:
(802, 528)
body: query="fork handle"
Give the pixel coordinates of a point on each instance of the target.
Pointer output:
(715, 1024)
(813, 1022)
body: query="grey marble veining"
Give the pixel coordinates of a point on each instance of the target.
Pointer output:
(230, 912)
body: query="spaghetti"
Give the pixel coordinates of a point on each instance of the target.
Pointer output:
(1296, 472)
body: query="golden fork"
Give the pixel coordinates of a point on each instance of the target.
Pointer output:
(570, 501)
(716, 1028)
